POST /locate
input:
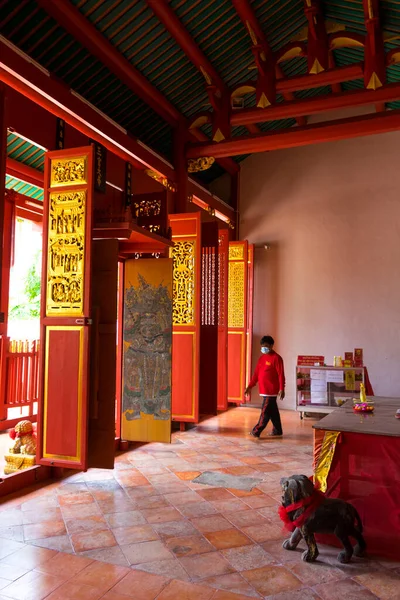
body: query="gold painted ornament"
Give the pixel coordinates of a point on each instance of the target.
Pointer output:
(200, 164)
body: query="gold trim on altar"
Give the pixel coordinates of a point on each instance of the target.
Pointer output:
(324, 460)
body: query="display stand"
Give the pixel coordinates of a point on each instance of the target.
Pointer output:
(322, 389)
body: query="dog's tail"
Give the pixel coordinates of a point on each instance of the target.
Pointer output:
(358, 520)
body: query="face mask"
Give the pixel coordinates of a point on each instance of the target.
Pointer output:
(265, 350)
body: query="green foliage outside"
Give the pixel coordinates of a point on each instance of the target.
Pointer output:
(30, 309)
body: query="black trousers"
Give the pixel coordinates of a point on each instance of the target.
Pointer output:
(269, 411)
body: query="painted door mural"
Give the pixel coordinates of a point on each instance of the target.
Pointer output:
(147, 341)
(186, 255)
(237, 320)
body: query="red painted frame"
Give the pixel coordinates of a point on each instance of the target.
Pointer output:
(186, 356)
(222, 390)
(68, 325)
(237, 359)
(250, 299)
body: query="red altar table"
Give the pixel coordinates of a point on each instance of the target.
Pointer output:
(357, 458)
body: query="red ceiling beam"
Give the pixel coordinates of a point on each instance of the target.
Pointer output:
(329, 77)
(52, 95)
(260, 42)
(14, 168)
(226, 163)
(72, 20)
(374, 51)
(287, 110)
(302, 136)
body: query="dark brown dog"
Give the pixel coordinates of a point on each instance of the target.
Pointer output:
(330, 516)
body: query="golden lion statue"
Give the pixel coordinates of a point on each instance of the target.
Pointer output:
(22, 453)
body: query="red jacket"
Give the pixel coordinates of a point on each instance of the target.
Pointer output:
(269, 374)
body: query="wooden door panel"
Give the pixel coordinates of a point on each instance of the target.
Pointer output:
(237, 320)
(223, 250)
(250, 295)
(186, 255)
(65, 398)
(101, 449)
(209, 320)
(66, 308)
(147, 342)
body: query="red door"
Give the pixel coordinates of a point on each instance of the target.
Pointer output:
(69, 365)
(186, 289)
(237, 320)
(223, 250)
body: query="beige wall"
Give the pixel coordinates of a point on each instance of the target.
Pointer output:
(331, 280)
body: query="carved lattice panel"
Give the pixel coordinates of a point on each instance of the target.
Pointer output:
(68, 171)
(184, 281)
(186, 316)
(236, 292)
(208, 284)
(66, 251)
(222, 278)
(237, 320)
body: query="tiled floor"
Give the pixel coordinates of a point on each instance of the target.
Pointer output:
(145, 531)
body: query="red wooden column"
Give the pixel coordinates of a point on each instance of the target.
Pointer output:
(186, 255)
(250, 296)
(180, 163)
(237, 320)
(3, 159)
(66, 309)
(223, 251)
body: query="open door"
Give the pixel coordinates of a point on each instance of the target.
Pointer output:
(186, 255)
(147, 343)
(250, 296)
(70, 344)
(223, 250)
(209, 320)
(237, 320)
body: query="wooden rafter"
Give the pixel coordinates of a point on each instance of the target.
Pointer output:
(302, 136)
(218, 91)
(262, 51)
(317, 105)
(71, 19)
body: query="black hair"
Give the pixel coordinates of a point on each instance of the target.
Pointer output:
(267, 339)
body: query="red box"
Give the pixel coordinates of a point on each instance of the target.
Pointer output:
(358, 357)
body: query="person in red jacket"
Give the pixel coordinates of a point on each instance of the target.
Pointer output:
(270, 376)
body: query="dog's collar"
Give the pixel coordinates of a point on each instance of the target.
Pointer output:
(310, 504)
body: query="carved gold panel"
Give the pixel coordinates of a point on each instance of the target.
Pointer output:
(236, 293)
(183, 291)
(68, 171)
(66, 251)
(236, 251)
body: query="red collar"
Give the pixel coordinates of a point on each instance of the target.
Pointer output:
(310, 504)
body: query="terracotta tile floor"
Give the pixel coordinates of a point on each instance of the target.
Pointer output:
(145, 531)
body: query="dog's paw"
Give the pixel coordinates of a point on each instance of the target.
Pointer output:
(359, 551)
(308, 556)
(344, 557)
(287, 545)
